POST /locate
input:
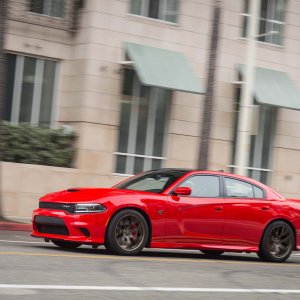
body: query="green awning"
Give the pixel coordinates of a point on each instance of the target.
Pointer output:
(274, 88)
(163, 68)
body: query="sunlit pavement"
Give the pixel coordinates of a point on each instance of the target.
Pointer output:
(33, 269)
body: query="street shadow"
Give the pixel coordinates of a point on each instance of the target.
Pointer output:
(171, 254)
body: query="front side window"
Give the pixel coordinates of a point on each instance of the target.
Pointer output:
(53, 8)
(30, 90)
(272, 18)
(203, 186)
(240, 189)
(166, 10)
(142, 130)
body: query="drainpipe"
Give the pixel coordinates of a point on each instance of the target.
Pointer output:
(209, 97)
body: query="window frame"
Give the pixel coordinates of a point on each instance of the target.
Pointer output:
(255, 168)
(135, 100)
(37, 90)
(162, 11)
(267, 39)
(244, 181)
(221, 187)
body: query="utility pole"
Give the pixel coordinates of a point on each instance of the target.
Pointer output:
(246, 104)
(3, 17)
(209, 97)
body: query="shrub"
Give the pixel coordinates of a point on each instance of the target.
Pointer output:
(35, 145)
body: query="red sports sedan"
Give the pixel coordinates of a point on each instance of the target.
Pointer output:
(214, 212)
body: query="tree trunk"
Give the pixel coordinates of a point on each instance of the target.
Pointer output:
(3, 17)
(209, 97)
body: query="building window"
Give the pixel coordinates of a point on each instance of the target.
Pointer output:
(261, 140)
(31, 86)
(272, 14)
(261, 147)
(53, 8)
(143, 121)
(166, 10)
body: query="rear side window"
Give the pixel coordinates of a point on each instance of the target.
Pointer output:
(258, 193)
(241, 189)
(203, 186)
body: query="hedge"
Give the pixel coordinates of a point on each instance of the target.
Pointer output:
(34, 145)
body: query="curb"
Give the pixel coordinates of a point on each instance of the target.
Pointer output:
(11, 226)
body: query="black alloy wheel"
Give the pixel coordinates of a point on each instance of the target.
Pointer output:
(66, 244)
(277, 243)
(127, 233)
(212, 253)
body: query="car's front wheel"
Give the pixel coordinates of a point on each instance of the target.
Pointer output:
(127, 233)
(277, 243)
(66, 244)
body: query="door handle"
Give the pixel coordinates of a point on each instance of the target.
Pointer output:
(265, 207)
(218, 208)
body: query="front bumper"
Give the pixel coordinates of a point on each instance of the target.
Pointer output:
(83, 228)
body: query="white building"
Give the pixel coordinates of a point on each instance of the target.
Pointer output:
(129, 77)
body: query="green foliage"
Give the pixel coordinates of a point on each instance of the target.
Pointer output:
(35, 145)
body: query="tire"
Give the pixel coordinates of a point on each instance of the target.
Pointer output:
(66, 244)
(277, 243)
(212, 253)
(127, 233)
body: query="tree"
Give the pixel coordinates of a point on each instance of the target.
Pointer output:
(3, 17)
(209, 97)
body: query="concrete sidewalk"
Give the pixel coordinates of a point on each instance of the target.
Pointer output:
(13, 225)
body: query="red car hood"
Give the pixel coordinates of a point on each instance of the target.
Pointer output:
(79, 195)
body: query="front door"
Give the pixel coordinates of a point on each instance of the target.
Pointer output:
(199, 217)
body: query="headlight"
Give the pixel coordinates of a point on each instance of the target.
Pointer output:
(82, 208)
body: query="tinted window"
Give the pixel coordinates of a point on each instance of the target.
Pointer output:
(152, 181)
(203, 186)
(238, 189)
(258, 193)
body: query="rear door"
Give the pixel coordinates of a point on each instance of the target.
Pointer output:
(247, 212)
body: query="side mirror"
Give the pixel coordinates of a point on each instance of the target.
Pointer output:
(183, 191)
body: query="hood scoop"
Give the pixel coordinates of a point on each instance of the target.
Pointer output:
(73, 190)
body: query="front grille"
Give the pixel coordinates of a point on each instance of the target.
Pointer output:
(69, 208)
(51, 225)
(53, 229)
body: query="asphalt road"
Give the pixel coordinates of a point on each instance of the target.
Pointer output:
(33, 269)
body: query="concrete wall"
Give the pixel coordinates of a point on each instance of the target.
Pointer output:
(23, 184)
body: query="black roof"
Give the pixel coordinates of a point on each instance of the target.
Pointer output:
(183, 170)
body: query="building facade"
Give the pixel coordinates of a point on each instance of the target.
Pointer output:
(129, 77)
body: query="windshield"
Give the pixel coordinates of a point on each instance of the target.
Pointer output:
(152, 181)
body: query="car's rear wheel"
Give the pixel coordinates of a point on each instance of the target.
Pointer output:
(212, 253)
(66, 244)
(277, 243)
(127, 233)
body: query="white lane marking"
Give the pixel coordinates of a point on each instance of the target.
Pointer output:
(22, 242)
(146, 289)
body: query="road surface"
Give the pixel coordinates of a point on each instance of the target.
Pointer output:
(33, 269)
